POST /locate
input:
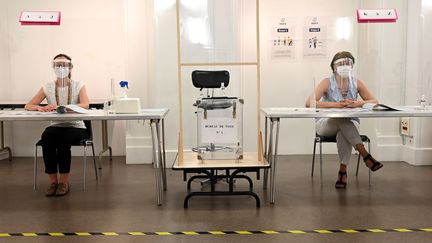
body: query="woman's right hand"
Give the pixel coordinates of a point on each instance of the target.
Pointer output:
(347, 103)
(341, 104)
(47, 108)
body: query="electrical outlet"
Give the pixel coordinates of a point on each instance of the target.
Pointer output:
(376, 15)
(40, 18)
(405, 128)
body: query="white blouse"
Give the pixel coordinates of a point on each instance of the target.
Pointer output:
(49, 90)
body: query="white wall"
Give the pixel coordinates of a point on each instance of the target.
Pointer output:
(282, 83)
(4, 65)
(382, 63)
(121, 42)
(418, 148)
(4, 49)
(139, 72)
(102, 42)
(289, 83)
(164, 88)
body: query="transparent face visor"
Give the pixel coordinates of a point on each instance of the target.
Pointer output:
(62, 68)
(344, 67)
(343, 62)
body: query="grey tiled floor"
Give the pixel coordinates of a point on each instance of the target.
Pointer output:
(124, 200)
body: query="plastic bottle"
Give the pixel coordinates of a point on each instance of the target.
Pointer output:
(423, 101)
(123, 88)
(223, 89)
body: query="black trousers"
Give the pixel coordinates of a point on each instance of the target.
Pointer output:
(56, 147)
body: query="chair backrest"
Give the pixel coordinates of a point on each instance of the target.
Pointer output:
(89, 129)
(210, 79)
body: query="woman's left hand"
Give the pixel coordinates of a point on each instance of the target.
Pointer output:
(353, 103)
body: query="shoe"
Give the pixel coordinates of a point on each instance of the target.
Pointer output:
(375, 164)
(340, 184)
(62, 189)
(51, 191)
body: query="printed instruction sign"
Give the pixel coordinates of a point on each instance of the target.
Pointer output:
(282, 42)
(314, 38)
(219, 130)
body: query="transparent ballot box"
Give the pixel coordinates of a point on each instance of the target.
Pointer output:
(220, 128)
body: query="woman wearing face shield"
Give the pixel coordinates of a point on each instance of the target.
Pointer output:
(341, 90)
(58, 137)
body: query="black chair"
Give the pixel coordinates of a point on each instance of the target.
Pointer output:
(324, 139)
(84, 143)
(210, 79)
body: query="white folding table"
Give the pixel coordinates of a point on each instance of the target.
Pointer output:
(271, 136)
(155, 116)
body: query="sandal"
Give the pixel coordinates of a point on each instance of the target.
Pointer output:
(340, 184)
(62, 189)
(51, 190)
(375, 164)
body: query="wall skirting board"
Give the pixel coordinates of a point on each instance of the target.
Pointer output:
(138, 150)
(390, 148)
(387, 148)
(417, 156)
(142, 155)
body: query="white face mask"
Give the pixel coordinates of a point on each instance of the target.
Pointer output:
(61, 72)
(344, 71)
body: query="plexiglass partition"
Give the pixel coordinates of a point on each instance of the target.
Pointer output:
(213, 31)
(218, 35)
(426, 51)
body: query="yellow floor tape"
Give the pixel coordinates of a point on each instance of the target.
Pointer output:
(236, 232)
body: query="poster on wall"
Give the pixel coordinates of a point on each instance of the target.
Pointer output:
(282, 42)
(314, 38)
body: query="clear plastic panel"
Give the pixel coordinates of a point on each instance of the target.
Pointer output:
(220, 128)
(217, 31)
(426, 50)
(242, 85)
(381, 63)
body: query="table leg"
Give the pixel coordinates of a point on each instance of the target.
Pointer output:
(154, 126)
(160, 154)
(4, 149)
(273, 159)
(265, 137)
(270, 150)
(164, 157)
(105, 146)
(266, 171)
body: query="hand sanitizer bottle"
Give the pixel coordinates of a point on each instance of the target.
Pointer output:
(423, 102)
(124, 87)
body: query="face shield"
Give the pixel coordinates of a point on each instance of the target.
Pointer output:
(343, 67)
(62, 67)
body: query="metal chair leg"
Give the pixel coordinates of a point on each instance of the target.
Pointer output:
(85, 167)
(94, 161)
(313, 158)
(321, 163)
(369, 169)
(35, 170)
(358, 162)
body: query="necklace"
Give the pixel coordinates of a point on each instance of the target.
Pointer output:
(57, 94)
